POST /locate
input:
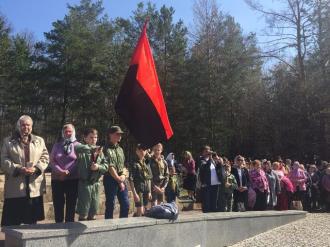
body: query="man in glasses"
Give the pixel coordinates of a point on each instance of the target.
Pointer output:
(242, 177)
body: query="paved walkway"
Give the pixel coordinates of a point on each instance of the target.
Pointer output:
(312, 231)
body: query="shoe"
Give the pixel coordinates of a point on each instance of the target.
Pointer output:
(92, 217)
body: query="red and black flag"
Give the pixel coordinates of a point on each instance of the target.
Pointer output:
(140, 102)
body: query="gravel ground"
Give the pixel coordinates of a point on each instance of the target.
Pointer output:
(314, 230)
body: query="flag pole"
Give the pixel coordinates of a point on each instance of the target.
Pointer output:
(144, 28)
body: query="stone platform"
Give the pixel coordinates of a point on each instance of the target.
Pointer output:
(191, 229)
(48, 199)
(49, 209)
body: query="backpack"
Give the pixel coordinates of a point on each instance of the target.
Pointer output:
(164, 211)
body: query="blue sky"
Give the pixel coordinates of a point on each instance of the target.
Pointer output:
(36, 16)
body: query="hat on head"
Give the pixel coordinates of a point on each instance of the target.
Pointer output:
(115, 129)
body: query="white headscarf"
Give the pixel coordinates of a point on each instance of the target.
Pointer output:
(68, 141)
(170, 159)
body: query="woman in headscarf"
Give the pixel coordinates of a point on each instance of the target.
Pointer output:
(64, 175)
(24, 158)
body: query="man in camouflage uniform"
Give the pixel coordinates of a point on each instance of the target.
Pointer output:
(114, 180)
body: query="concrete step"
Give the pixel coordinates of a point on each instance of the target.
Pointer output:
(192, 229)
(184, 205)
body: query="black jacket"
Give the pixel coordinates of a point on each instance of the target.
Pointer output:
(205, 171)
(245, 177)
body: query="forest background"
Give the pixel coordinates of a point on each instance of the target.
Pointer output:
(221, 87)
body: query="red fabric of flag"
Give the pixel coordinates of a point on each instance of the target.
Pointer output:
(140, 102)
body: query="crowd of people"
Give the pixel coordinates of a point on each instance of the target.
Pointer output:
(261, 184)
(76, 171)
(77, 168)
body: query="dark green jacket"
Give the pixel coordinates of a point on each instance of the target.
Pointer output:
(231, 180)
(140, 174)
(115, 158)
(160, 174)
(84, 161)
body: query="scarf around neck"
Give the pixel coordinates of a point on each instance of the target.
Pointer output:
(67, 147)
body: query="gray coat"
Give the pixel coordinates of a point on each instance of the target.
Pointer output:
(274, 187)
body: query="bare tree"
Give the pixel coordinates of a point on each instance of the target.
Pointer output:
(321, 19)
(289, 29)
